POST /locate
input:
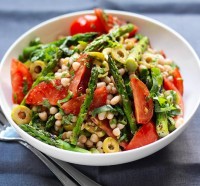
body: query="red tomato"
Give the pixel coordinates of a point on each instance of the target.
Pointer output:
(144, 136)
(86, 23)
(142, 103)
(178, 80)
(73, 105)
(81, 78)
(100, 97)
(21, 81)
(168, 85)
(51, 91)
(108, 21)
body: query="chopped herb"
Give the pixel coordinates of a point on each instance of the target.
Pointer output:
(46, 103)
(25, 87)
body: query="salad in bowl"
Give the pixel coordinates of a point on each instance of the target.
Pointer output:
(101, 89)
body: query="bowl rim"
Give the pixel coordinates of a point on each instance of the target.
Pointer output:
(115, 12)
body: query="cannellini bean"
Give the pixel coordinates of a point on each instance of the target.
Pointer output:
(110, 115)
(122, 71)
(110, 96)
(79, 144)
(94, 138)
(34, 108)
(56, 128)
(167, 67)
(53, 110)
(116, 131)
(89, 143)
(106, 80)
(170, 78)
(58, 115)
(74, 119)
(58, 75)
(115, 100)
(120, 126)
(101, 84)
(113, 90)
(108, 88)
(99, 144)
(64, 68)
(43, 115)
(112, 126)
(82, 139)
(58, 123)
(65, 82)
(69, 134)
(107, 102)
(102, 115)
(75, 65)
(64, 60)
(161, 67)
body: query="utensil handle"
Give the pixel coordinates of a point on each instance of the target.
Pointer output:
(58, 173)
(76, 174)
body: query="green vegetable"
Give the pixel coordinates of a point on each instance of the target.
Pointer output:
(162, 124)
(108, 40)
(107, 108)
(50, 139)
(136, 54)
(157, 81)
(86, 104)
(122, 91)
(50, 122)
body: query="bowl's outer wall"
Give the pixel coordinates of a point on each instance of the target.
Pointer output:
(161, 37)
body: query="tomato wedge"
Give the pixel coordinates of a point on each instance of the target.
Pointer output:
(144, 136)
(21, 81)
(73, 105)
(86, 23)
(142, 103)
(168, 85)
(178, 80)
(81, 78)
(100, 97)
(108, 21)
(50, 91)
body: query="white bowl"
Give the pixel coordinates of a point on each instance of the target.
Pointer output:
(161, 37)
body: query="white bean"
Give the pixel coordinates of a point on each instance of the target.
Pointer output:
(89, 143)
(102, 115)
(94, 138)
(110, 115)
(116, 132)
(58, 115)
(75, 65)
(65, 82)
(53, 110)
(58, 123)
(99, 144)
(101, 84)
(43, 115)
(122, 71)
(106, 80)
(115, 100)
(110, 96)
(120, 126)
(58, 75)
(82, 139)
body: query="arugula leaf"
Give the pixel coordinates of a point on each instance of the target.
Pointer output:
(107, 108)
(157, 80)
(50, 122)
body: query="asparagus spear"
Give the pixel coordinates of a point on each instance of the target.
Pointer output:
(162, 124)
(136, 54)
(107, 40)
(85, 106)
(122, 91)
(50, 139)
